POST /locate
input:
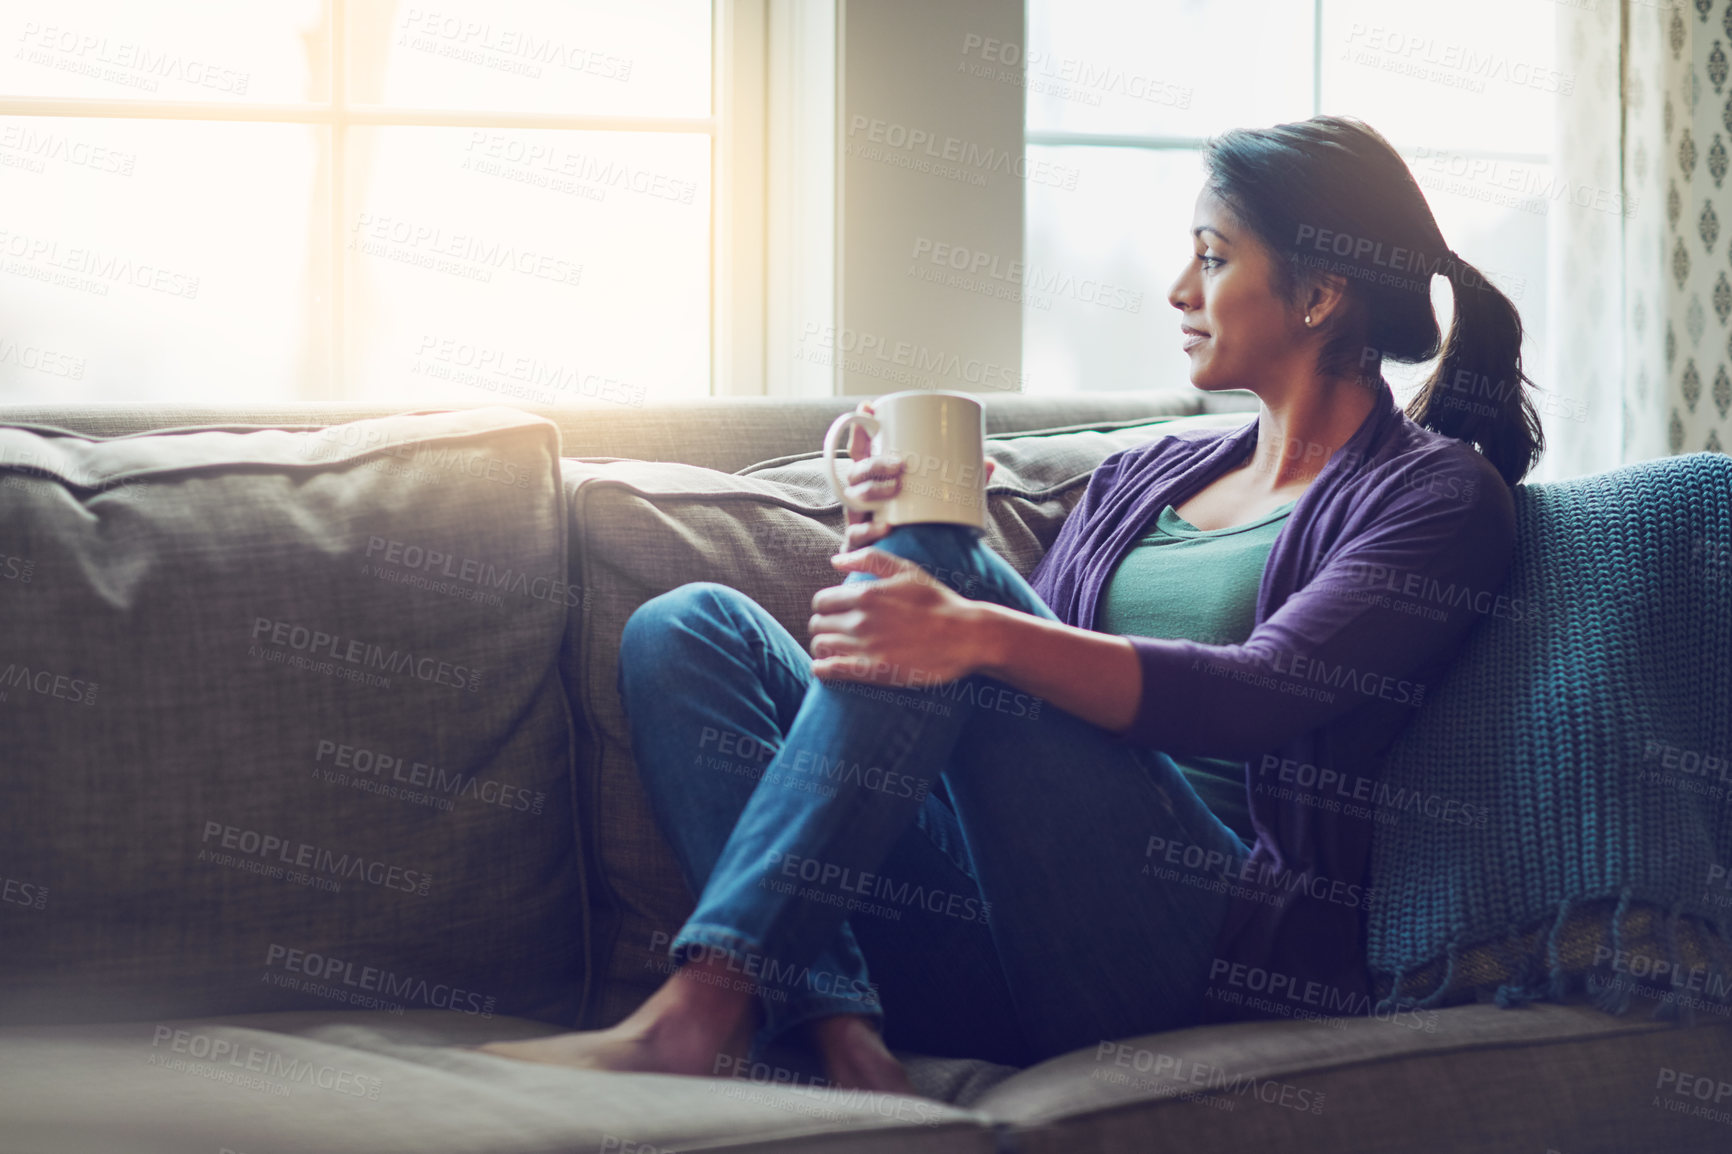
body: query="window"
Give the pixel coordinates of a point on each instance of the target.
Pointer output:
(1125, 93)
(217, 201)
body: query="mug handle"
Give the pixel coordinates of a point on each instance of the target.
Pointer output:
(837, 484)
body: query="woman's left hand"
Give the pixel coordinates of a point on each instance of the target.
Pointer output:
(905, 628)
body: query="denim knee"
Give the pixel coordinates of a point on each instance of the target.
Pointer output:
(946, 552)
(960, 558)
(652, 632)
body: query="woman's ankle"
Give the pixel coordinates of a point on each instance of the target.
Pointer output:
(706, 992)
(855, 1055)
(845, 1031)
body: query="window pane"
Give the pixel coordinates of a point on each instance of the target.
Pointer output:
(1126, 226)
(645, 58)
(1480, 74)
(532, 267)
(1178, 67)
(156, 261)
(226, 50)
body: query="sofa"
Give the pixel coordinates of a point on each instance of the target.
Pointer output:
(316, 777)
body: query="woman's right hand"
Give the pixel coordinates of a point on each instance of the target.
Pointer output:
(869, 479)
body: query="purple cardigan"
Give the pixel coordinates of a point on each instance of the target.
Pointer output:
(1400, 544)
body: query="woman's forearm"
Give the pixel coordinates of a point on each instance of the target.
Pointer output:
(1095, 676)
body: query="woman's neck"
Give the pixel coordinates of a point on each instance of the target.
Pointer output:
(1299, 428)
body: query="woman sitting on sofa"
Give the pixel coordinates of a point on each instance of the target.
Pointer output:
(1140, 816)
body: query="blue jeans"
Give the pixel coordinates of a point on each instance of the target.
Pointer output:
(991, 856)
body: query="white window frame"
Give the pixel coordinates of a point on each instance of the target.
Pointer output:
(1195, 143)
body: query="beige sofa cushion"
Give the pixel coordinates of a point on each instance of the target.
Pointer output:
(1475, 1078)
(374, 1083)
(725, 433)
(1486, 1080)
(281, 721)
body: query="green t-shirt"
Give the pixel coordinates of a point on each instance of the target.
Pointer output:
(1198, 585)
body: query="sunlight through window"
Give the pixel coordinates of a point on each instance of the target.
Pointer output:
(1127, 92)
(356, 199)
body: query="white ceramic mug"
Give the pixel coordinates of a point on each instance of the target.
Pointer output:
(942, 439)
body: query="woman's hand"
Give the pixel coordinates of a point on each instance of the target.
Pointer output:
(905, 628)
(908, 629)
(869, 479)
(872, 478)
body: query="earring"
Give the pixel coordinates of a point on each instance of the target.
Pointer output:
(1307, 318)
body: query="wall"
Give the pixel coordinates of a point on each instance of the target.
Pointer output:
(927, 157)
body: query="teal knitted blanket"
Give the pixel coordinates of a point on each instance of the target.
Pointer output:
(1566, 822)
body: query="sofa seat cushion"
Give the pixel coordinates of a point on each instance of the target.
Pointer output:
(640, 528)
(284, 724)
(1474, 1077)
(377, 1083)
(1547, 1077)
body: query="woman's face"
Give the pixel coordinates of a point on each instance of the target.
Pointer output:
(1236, 331)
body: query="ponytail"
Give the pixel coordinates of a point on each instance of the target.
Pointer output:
(1475, 394)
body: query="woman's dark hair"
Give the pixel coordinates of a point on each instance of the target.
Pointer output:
(1329, 195)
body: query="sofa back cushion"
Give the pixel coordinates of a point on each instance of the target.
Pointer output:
(640, 529)
(725, 433)
(284, 724)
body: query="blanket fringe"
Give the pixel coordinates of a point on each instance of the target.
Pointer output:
(1537, 973)
(1680, 1010)
(1615, 997)
(1540, 974)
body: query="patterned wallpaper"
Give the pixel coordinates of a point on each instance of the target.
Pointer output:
(1679, 241)
(1641, 249)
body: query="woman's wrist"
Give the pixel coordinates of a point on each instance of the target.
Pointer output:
(993, 628)
(1096, 676)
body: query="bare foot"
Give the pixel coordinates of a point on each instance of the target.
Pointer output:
(856, 1057)
(688, 1026)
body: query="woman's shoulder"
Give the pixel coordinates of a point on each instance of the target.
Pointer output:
(1416, 467)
